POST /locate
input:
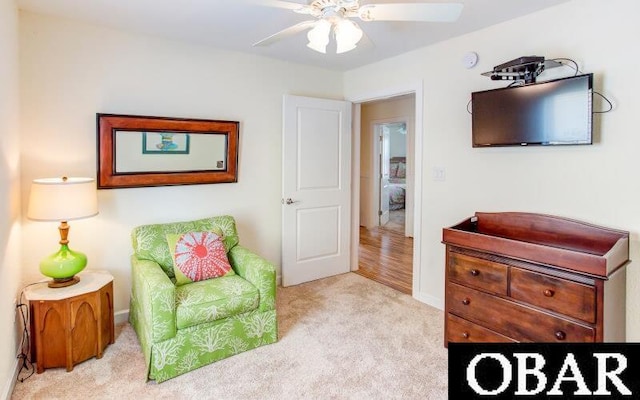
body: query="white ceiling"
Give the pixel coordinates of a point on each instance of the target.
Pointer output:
(237, 24)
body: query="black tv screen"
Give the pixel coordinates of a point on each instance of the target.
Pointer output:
(556, 112)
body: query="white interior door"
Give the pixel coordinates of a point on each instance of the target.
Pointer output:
(385, 143)
(316, 188)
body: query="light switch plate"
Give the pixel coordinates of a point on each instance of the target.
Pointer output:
(439, 174)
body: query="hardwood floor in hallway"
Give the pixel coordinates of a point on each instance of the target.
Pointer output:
(386, 256)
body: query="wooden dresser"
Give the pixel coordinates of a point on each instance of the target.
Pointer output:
(521, 277)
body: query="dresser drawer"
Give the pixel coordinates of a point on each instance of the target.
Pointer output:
(560, 295)
(506, 317)
(478, 273)
(460, 330)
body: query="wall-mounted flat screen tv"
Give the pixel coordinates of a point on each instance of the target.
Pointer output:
(556, 112)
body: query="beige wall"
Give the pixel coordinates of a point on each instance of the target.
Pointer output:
(70, 71)
(10, 262)
(597, 183)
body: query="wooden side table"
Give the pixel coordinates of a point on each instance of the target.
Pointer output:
(71, 324)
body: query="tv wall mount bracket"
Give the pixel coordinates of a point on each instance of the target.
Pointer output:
(525, 68)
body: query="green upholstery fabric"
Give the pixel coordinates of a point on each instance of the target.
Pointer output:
(201, 302)
(181, 328)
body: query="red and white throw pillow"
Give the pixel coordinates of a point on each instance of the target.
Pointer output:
(198, 256)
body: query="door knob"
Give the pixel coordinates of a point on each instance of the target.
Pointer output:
(289, 201)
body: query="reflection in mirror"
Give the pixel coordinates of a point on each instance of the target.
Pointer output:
(137, 151)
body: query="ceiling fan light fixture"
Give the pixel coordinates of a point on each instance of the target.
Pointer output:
(320, 48)
(334, 15)
(319, 36)
(348, 34)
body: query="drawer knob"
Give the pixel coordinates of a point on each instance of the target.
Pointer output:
(475, 272)
(466, 301)
(549, 293)
(561, 335)
(465, 335)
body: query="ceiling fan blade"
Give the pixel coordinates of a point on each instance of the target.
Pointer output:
(287, 5)
(430, 12)
(300, 8)
(290, 31)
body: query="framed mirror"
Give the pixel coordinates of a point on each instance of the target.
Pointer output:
(135, 151)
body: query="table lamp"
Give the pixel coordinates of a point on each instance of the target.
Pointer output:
(63, 199)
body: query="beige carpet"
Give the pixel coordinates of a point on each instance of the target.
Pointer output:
(344, 337)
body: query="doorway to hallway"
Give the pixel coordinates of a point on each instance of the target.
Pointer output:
(385, 250)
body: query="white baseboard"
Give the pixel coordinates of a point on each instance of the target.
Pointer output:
(120, 317)
(429, 300)
(8, 387)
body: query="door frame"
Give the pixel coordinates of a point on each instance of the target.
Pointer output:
(415, 88)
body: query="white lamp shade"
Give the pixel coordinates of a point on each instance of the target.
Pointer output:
(348, 34)
(62, 199)
(319, 36)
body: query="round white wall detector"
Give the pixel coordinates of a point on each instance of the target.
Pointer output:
(470, 59)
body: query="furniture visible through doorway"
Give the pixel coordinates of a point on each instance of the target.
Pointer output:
(397, 182)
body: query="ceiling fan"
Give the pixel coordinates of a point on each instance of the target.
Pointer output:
(335, 15)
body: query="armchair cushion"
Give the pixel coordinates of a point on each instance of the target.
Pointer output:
(214, 299)
(198, 256)
(150, 243)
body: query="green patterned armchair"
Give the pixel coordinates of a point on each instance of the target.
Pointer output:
(184, 327)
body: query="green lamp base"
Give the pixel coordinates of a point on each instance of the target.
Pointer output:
(62, 266)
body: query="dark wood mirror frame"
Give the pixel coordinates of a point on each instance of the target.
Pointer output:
(109, 177)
